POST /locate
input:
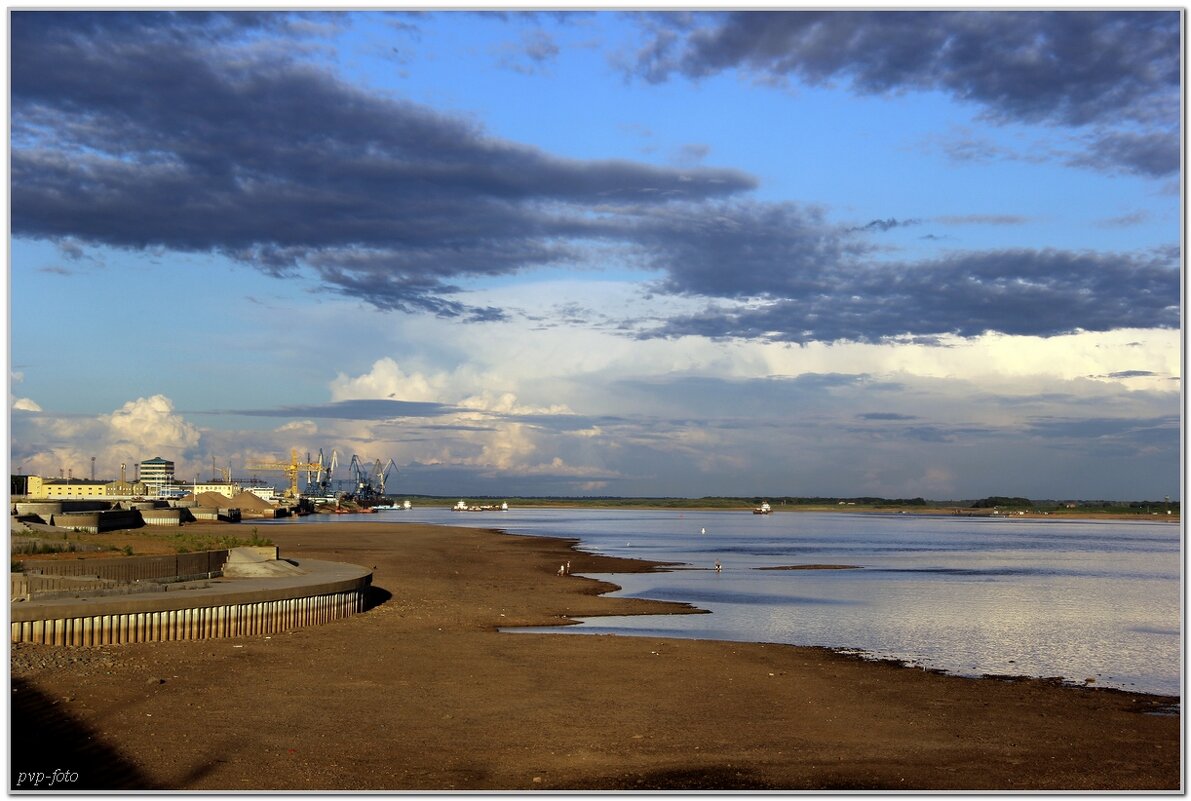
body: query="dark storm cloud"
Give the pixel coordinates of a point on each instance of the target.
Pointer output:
(1124, 220)
(907, 427)
(560, 422)
(532, 54)
(884, 225)
(384, 410)
(1154, 432)
(1039, 293)
(744, 249)
(540, 46)
(209, 133)
(1071, 68)
(173, 131)
(697, 402)
(982, 219)
(371, 409)
(1147, 154)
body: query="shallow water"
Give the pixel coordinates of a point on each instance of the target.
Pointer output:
(971, 596)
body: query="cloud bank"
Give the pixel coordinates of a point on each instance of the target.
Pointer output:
(1115, 74)
(219, 133)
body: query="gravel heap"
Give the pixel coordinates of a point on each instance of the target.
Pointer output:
(245, 501)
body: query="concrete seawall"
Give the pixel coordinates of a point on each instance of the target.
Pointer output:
(95, 522)
(324, 591)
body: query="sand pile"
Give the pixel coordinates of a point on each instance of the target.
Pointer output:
(211, 500)
(246, 501)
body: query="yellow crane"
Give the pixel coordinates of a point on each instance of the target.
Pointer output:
(223, 474)
(291, 470)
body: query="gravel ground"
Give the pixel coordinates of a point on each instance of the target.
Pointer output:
(423, 692)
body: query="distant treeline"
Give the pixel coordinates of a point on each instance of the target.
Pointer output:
(1000, 501)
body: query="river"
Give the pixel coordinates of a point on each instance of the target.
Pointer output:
(1081, 600)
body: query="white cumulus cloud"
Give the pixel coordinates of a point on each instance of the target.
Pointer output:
(150, 424)
(386, 379)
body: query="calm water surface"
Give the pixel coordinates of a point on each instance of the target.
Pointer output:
(970, 596)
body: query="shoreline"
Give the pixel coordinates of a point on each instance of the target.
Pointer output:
(437, 698)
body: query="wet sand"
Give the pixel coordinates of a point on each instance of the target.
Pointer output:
(422, 692)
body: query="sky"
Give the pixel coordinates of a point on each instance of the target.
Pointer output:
(680, 252)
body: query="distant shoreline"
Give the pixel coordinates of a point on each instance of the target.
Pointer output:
(202, 536)
(1041, 512)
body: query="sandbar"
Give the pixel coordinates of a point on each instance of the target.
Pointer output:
(812, 567)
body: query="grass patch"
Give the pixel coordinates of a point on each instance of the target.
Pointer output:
(188, 542)
(154, 540)
(42, 547)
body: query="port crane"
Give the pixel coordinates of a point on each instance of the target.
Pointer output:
(314, 478)
(382, 473)
(370, 481)
(223, 474)
(291, 470)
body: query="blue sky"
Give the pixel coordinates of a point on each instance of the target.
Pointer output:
(603, 252)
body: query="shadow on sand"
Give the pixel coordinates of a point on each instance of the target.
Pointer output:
(375, 596)
(45, 739)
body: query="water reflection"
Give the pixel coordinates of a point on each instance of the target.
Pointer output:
(1098, 600)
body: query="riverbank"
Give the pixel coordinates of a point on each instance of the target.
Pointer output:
(423, 692)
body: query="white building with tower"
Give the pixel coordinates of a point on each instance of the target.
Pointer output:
(157, 475)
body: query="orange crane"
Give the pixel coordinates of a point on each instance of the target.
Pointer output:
(292, 469)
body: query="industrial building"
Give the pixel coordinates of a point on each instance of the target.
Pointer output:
(38, 487)
(157, 473)
(156, 478)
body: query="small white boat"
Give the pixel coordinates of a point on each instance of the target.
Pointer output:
(763, 509)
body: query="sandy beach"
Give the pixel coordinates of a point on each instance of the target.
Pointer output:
(423, 692)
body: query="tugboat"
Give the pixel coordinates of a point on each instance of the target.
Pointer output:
(462, 506)
(763, 509)
(390, 506)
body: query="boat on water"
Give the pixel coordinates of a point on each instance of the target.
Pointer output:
(389, 507)
(763, 509)
(464, 506)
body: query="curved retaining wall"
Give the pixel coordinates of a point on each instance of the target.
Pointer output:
(44, 509)
(328, 591)
(95, 522)
(166, 517)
